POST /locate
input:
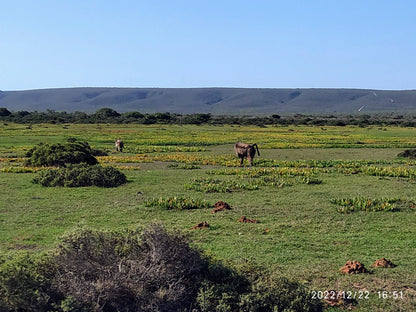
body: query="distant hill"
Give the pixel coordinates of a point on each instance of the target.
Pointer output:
(217, 101)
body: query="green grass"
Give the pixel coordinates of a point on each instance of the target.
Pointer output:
(301, 234)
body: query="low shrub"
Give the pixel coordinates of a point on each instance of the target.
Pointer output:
(253, 290)
(347, 205)
(23, 282)
(79, 175)
(208, 185)
(389, 171)
(277, 177)
(59, 155)
(276, 293)
(221, 289)
(184, 166)
(178, 203)
(150, 270)
(129, 272)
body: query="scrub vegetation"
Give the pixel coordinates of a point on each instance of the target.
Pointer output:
(321, 197)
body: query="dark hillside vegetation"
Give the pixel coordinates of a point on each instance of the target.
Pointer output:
(111, 116)
(216, 101)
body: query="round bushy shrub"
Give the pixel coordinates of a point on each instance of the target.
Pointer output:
(79, 175)
(59, 155)
(154, 270)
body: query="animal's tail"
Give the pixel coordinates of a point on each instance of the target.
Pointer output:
(257, 148)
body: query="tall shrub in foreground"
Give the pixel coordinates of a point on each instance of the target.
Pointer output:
(133, 272)
(150, 270)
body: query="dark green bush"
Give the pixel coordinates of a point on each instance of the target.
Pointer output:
(79, 175)
(277, 293)
(221, 289)
(253, 290)
(23, 283)
(60, 155)
(409, 153)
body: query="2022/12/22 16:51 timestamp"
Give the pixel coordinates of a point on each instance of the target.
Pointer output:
(332, 294)
(384, 294)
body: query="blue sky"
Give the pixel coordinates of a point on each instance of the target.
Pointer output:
(180, 43)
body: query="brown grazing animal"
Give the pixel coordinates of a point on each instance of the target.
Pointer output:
(119, 145)
(244, 150)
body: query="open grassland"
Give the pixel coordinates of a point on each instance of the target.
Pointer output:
(296, 189)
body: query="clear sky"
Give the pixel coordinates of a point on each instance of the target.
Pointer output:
(215, 43)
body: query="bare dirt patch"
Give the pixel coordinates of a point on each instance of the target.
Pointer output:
(202, 225)
(353, 267)
(247, 220)
(385, 263)
(220, 206)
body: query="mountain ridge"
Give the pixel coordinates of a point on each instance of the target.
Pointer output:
(214, 100)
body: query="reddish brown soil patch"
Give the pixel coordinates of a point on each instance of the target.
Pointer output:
(202, 225)
(353, 267)
(246, 220)
(220, 206)
(338, 298)
(385, 263)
